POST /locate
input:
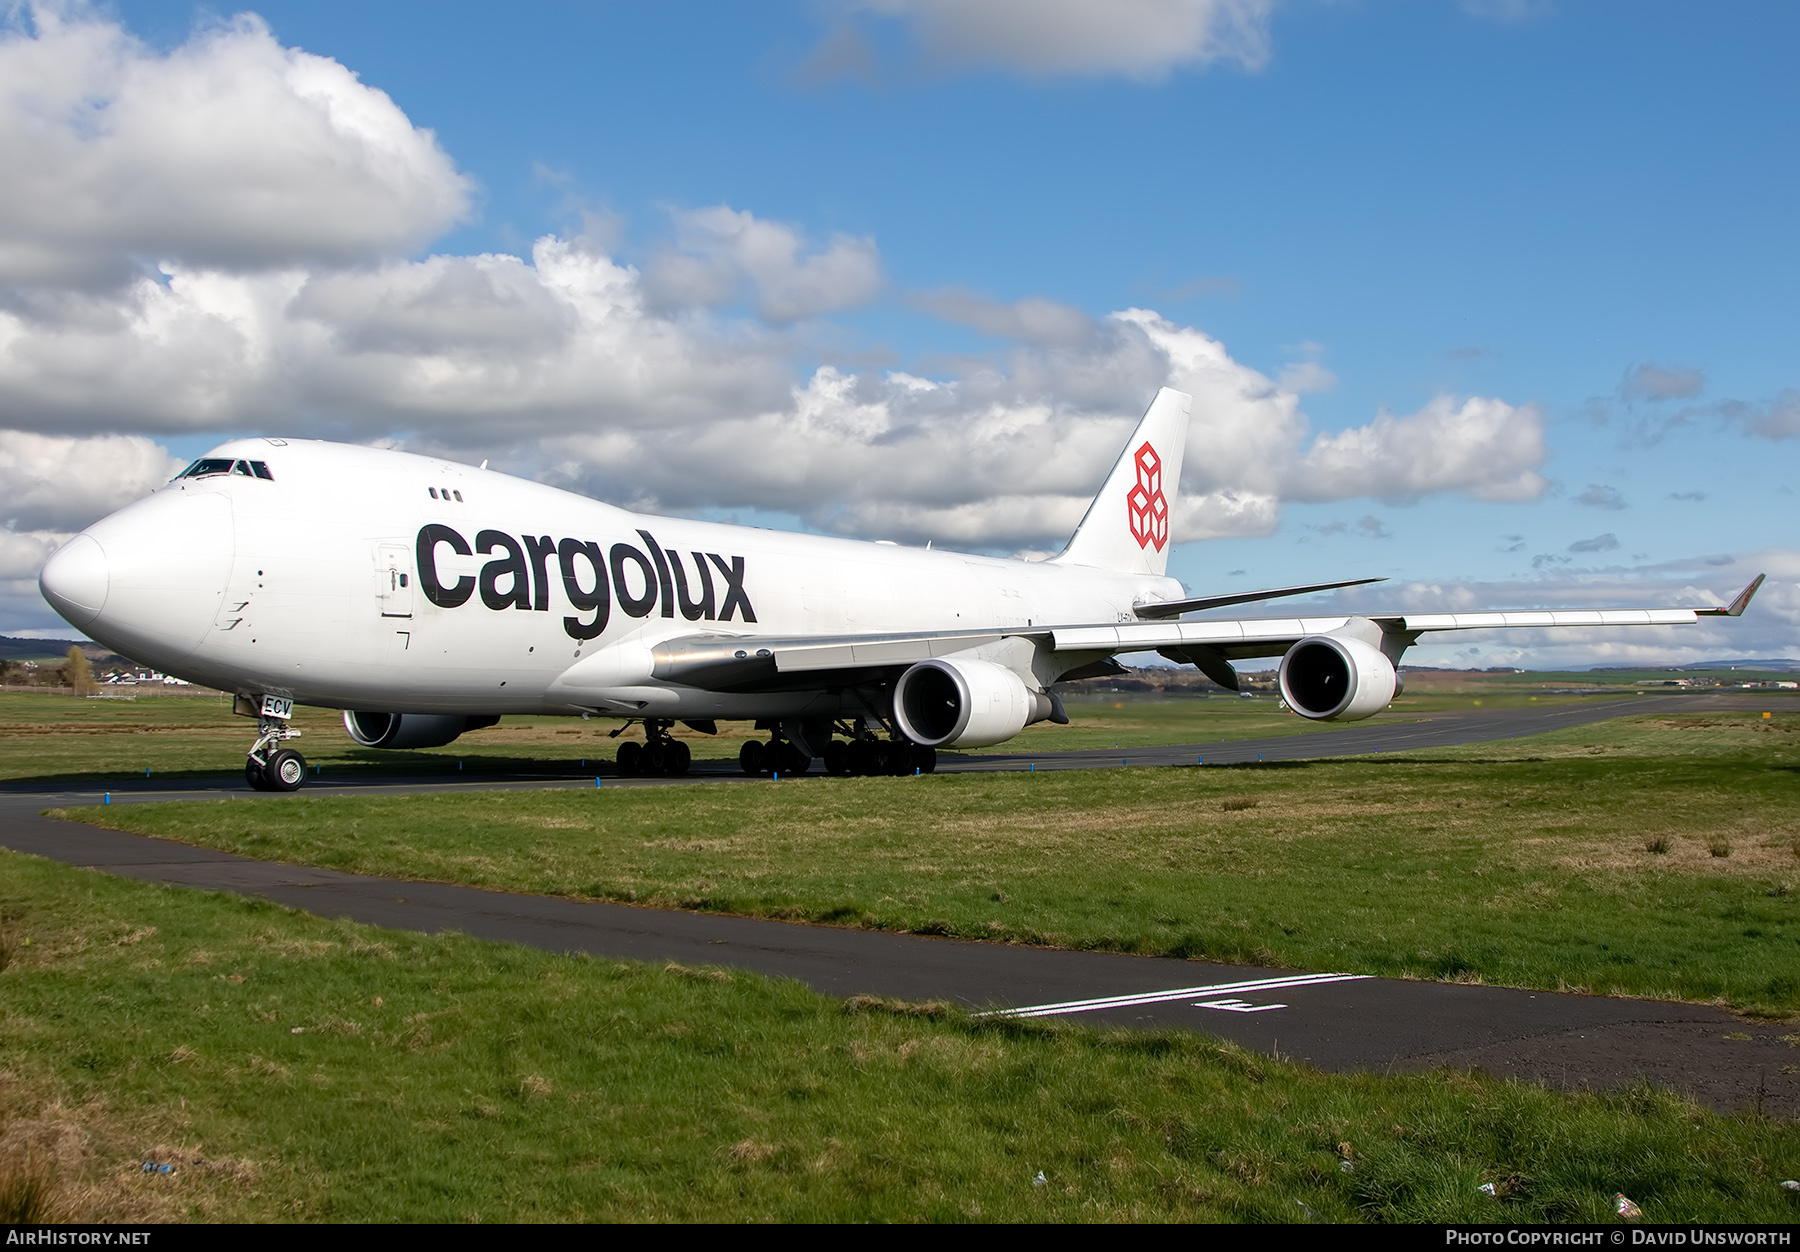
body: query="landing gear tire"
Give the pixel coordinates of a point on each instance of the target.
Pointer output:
(837, 757)
(656, 757)
(679, 757)
(253, 774)
(783, 759)
(631, 757)
(750, 757)
(924, 759)
(285, 771)
(864, 757)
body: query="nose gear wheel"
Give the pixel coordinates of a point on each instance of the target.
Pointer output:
(269, 766)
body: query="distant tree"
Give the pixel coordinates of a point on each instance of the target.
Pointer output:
(77, 673)
(6, 671)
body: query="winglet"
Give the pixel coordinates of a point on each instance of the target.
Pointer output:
(1736, 607)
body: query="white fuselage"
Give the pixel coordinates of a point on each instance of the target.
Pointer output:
(339, 581)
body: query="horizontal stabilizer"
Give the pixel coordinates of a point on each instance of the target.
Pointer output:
(1175, 608)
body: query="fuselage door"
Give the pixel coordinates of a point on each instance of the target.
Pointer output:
(393, 580)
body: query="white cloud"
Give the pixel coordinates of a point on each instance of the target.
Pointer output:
(684, 411)
(1305, 376)
(446, 345)
(1368, 526)
(22, 554)
(1250, 436)
(1647, 392)
(1010, 458)
(1655, 382)
(229, 152)
(719, 250)
(1032, 320)
(1601, 496)
(51, 483)
(481, 304)
(1485, 447)
(1141, 39)
(1777, 418)
(1507, 12)
(51, 486)
(1599, 543)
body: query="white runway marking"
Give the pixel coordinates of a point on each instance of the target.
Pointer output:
(1238, 1006)
(1183, 993)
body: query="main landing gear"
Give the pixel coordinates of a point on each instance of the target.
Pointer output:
(871, 756)
(269, 766)
(862, 753)
(660, 753)
(778, 757)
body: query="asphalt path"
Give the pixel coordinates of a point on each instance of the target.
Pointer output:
(1336, 1022)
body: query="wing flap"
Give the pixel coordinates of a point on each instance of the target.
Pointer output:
(1558, 617)
(872, 653)
(744, 663)
(1148, 636)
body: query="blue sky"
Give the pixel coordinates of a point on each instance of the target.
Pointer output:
(1581, 213)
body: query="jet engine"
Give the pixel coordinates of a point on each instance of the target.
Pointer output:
(409, 730)
(1327, 679)
(953, 702)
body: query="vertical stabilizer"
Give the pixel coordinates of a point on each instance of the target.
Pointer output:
(1127, 525)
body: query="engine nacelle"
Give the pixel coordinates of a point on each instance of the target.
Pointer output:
(409, 730)
(957, 703)
(1327, 678)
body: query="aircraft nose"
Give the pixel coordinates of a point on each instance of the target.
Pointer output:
(148, 580)
(75, 580)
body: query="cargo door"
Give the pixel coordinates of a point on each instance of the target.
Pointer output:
(394, 580)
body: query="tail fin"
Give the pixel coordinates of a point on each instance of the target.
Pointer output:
(1127, 525)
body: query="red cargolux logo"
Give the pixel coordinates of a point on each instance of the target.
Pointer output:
(1148, 506)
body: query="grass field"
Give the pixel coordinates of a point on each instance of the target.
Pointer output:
(292, 1068)
(55, 737)
(1651, 856)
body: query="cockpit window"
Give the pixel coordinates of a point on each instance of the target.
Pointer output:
(209, 466)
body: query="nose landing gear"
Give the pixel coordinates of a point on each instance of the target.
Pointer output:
(284, 770)
(269, 766)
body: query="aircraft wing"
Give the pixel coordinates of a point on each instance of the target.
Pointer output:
(725, 663)
(1271, 636)
(1252, 637)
